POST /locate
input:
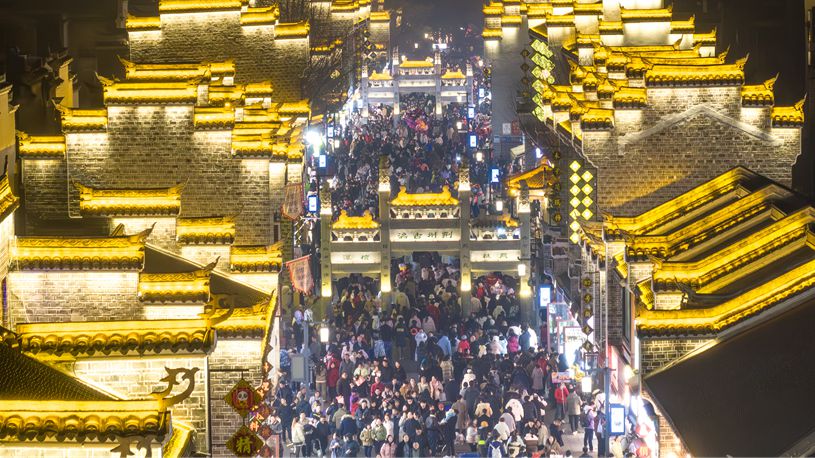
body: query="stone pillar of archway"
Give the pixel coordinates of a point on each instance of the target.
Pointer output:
(384, 230)
(525, 223)
(465, 288)
(326, 214)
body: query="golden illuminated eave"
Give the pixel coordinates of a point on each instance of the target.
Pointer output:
(758, 94)
(597, 119)
(41, 147)
(453, 75)
(380, 16)
(116, 338)
(79, 253)
(444, 198)
(256, 258)
(152, 92)
(142, 24)
(129, 202)
(646, 15)
(260, 16)
(82, 120)
(193, 6)
(246, 322)
(714, 319)
(214, 230)
(788, 116)
(174, 287)
(213, 117)
(292, 29)
(299, 109)
(495, 9)
(675, 75)
(416, 63)
(178, 445)
(376, 76)
(81, 421)
(540, 177)
(8, 201)
(176, 72)
(366, 221)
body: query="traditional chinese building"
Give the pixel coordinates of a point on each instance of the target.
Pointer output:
(713, 281)
(635, 107)
(150, 238)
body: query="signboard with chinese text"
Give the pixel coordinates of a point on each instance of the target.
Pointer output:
(495, 256)
(244, 442)
(363, 257)
(425, 235)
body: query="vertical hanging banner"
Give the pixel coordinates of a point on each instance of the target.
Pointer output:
(293, 201)
(300, 274)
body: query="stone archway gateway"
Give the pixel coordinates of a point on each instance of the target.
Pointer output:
(437, 222)
(415, 76)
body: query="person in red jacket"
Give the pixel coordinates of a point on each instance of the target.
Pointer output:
(332, 374)
(561, 393)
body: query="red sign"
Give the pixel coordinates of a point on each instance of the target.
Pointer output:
(300, 274)
(243, 397)
(293, 201)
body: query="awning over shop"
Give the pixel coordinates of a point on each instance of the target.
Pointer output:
(747, 395)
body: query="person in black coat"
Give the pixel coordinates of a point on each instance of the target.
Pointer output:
(286, 415)
(322, 432)
(449, 431)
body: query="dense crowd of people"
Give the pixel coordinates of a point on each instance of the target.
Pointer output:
(426, 376)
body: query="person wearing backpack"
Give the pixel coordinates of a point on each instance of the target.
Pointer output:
(589, 418)
(495, 449)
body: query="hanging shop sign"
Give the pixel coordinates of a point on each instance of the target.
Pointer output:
(243, 397)
(425, 235)
(244, 442)
(365, 257)
(300, 273)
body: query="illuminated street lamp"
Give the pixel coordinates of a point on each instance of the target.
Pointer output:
(325, 332)
(479, 156)
(585, 384)
(521, 270)
(499, 205)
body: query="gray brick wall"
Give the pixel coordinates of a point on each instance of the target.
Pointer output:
(148, 147)
(45, 185)
(637, 174)
(231, 360)
(220, 36)
(656, 353)
(136, 378)
(58, 296)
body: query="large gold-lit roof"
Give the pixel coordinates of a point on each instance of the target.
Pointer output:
(718, 254)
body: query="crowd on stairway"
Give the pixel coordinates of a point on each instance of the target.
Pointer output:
(425, 376)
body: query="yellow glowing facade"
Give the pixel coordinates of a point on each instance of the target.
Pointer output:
(366, 221)
(120, 252)
(444, 198)
(41, 146)
(712, 257)
(129, 202)
(174, 287)
(207, 230)
(259, 258)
